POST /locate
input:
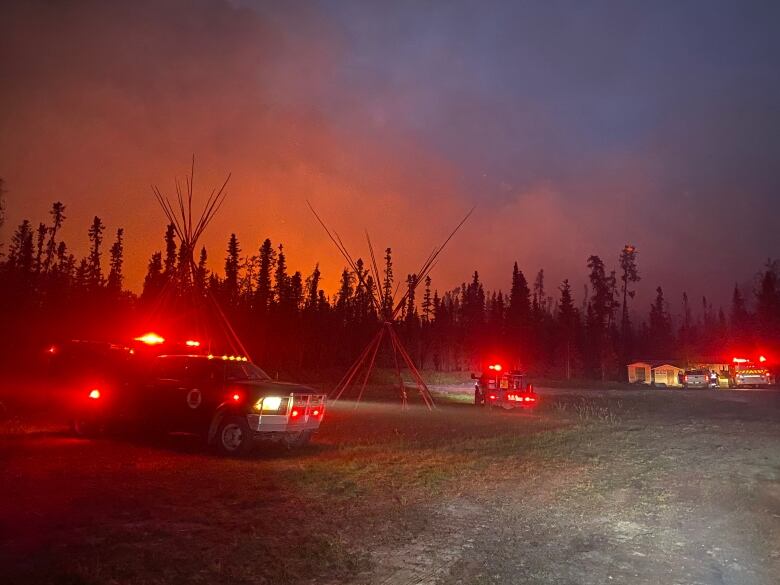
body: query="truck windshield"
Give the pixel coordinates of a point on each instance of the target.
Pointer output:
(245, 371)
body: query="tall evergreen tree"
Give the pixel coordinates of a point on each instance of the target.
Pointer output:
(768, 304)
(313, 288)
(601, 308)
(39, 247)
(230, 284)
(660, 325)
(295, 300)
(566, 318)
(629, 275)
(387, 284)
(539, 298)
(116, 254)
(20, 253)
(169, 268)
(281, 279)
(154, 277)
(57, 219)
(201, 272)
(739, 314)
(427, 304)
(263, 290)
(410, 312)
(94, 270)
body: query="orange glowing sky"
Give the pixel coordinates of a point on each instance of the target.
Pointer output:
(398, 120)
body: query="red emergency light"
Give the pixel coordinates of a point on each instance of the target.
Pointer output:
(192, 343)
(738, 360)
(496, 367)
(150, 339)
(94, 394)
(761, 359)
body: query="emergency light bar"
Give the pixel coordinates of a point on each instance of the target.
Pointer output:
(232, 358)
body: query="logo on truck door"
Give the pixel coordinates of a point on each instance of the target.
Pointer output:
(194, 398)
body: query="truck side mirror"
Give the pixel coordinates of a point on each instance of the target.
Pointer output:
(474, 377)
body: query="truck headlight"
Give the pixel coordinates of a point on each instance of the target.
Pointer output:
(268, 404)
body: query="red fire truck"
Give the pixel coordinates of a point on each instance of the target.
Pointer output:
(746, 373)
(507, 389)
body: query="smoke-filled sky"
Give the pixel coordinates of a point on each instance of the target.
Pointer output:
(574, 127)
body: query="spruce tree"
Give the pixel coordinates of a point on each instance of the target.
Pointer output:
(427, 304)
(201, 272)
(116, 260)
(387, 285)
(519, 309)
(57, 219)
(21, 250)
(768, 303)
(281, 279)
(629, 275)
(600, 311)
(263, 289)
(169, 268)
(39, 247)
(230, 284)
(312, 289)
(153, 281)
(566, 318)
(660, 325)
(94, 270)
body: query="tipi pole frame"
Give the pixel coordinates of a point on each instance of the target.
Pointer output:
(370, 367)
(346, 381)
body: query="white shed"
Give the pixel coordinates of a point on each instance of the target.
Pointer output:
(667, 375)
(639, 373)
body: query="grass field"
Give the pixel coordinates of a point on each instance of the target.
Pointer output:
(632, 486)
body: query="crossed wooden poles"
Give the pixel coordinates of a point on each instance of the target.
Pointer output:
(388, 310)
(189, 230)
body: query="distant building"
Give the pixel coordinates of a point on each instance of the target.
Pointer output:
(669, 372)
(667, 375)
(639, 373)
(655, 373)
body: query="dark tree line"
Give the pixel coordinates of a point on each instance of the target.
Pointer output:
(288, 321)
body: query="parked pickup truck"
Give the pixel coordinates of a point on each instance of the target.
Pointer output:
(696, 379)
(228, 400)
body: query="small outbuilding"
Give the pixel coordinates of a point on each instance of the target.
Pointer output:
(640, 373)
(667, 375)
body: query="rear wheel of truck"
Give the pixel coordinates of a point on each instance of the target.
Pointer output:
(234, 436)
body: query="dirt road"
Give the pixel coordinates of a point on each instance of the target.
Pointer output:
(623, 487)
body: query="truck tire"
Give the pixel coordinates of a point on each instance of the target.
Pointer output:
(234, 438)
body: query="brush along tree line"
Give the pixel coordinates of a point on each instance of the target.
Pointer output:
(288, 322)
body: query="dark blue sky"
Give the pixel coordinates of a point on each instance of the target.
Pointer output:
(575, 127)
